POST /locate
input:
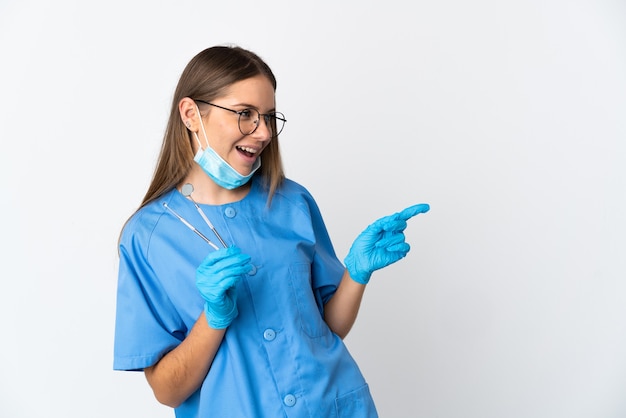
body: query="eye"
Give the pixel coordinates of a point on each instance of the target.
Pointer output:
(246, 114)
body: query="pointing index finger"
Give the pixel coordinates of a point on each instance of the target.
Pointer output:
(411, 211)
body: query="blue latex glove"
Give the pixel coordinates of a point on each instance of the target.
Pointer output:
(216, 279)
(380, 244)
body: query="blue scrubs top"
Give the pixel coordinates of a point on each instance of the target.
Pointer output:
(278, 358)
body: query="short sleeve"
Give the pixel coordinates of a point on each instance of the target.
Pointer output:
(147, 325)
(327, 270)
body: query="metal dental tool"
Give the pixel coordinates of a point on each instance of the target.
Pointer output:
(200, 234)
(187, 190)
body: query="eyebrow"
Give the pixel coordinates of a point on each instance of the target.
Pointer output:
(251, 106)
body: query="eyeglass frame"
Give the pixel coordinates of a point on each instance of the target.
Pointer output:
(241, 112)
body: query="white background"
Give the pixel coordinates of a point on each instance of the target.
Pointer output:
(509, 118)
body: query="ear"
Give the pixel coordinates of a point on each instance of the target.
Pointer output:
(189, 114)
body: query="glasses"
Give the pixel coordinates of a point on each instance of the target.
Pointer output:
(249, 120)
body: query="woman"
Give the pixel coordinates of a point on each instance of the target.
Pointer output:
(230, 296)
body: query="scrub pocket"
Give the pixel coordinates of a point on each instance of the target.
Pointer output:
(356, 404)
(309, 311)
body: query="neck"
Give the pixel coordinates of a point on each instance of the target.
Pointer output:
(206, 191)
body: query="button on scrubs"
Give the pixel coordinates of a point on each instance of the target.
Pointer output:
(278, 358)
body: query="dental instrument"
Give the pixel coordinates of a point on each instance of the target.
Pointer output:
(187, 190)
(200, 234)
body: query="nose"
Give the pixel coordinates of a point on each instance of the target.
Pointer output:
(263, 132)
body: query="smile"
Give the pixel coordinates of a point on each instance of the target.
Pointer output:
(250, 152)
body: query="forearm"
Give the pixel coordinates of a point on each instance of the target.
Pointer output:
(342, 309)
(181, 371)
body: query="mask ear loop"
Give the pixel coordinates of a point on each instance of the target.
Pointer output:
(203, 131)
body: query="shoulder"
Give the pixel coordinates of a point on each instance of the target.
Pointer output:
(295, 193)
(290, 187)
(142, 224)
(295, 196)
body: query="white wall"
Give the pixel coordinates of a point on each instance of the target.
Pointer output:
(509, 118)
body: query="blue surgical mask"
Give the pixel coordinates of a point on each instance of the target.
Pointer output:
(222, 173)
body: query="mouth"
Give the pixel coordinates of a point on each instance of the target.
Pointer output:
(247, 151)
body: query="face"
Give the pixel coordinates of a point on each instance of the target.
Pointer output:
(222, 129)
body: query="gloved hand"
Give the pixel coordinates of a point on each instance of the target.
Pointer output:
(216, 279)
(380, 244)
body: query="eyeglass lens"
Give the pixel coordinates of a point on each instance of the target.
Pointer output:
(249, 120)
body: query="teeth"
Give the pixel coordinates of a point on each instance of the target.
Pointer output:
(250, 150)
